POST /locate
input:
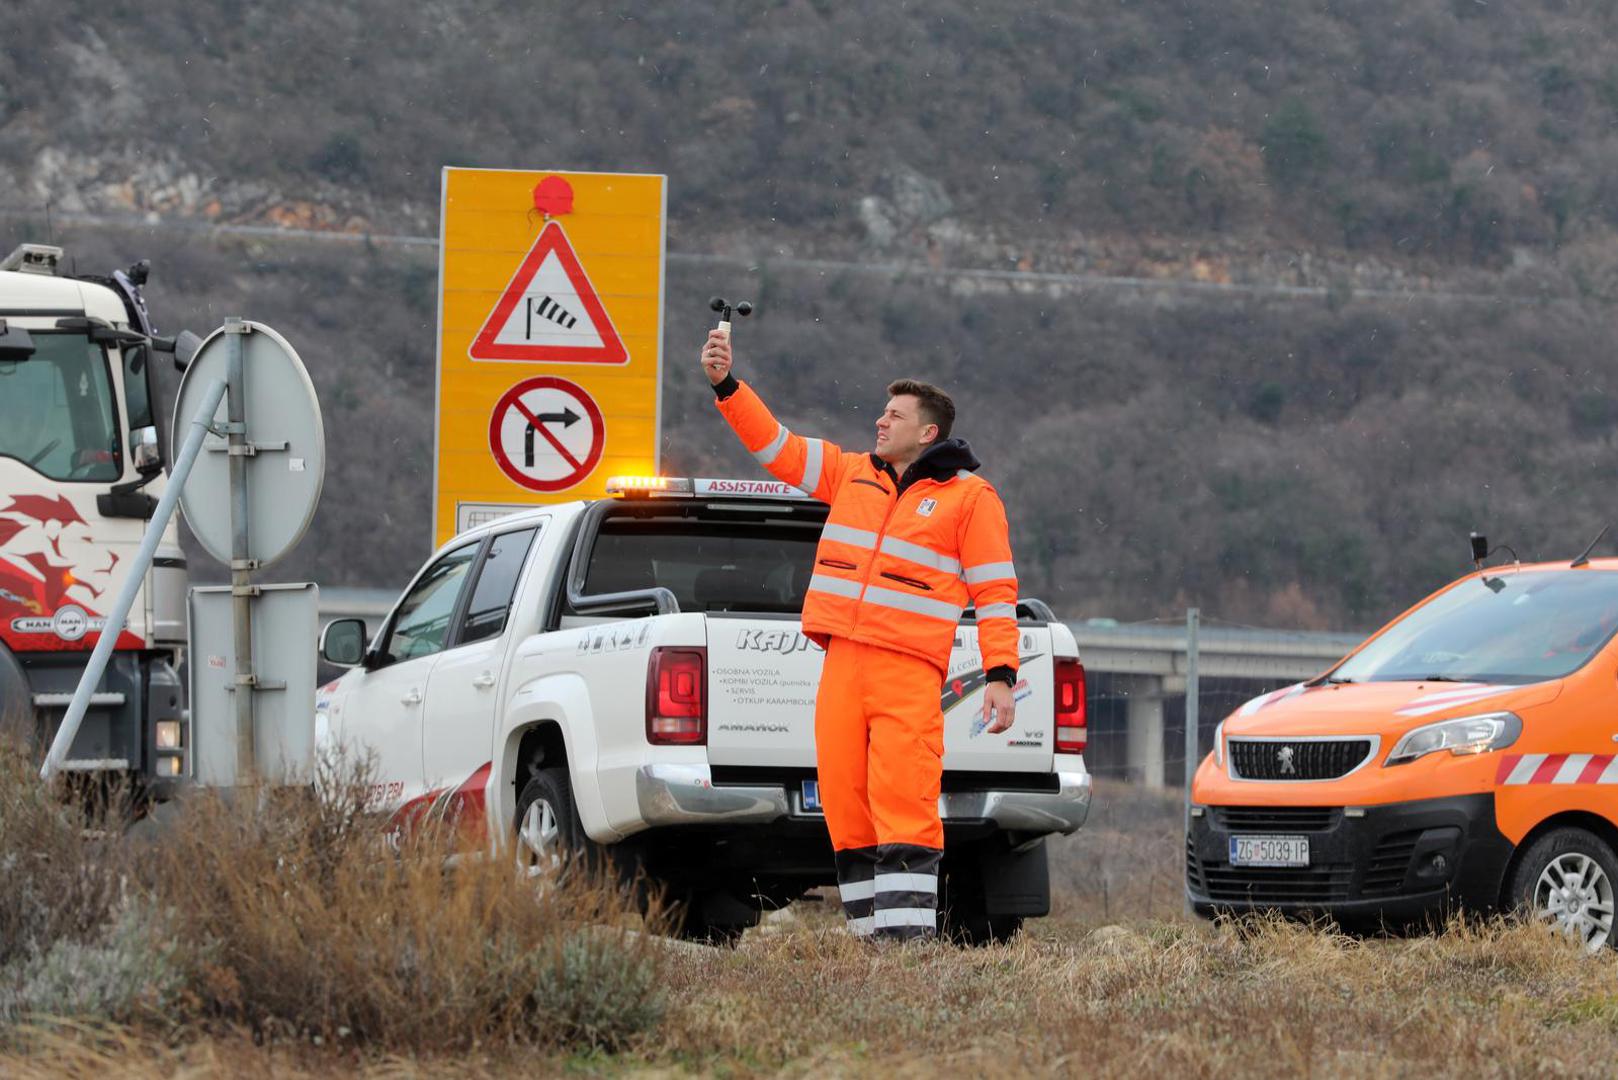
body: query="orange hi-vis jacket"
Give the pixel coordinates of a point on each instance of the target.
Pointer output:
(900, 557)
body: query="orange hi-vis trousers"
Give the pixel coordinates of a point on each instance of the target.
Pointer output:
(879, 740)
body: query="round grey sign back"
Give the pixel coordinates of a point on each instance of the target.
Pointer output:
(286, 463)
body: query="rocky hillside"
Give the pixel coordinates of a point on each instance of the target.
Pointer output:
(1281, 301)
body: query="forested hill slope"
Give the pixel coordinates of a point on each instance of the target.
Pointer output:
(1442, 172)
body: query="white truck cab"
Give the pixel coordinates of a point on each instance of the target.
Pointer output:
(629, 674)
(80, 473)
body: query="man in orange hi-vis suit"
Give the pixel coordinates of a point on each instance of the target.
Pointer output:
(913, 536)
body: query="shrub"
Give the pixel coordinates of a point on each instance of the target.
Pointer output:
(61, 879)
(319, 928)
(133, 969)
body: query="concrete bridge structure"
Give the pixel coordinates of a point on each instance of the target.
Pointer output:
(1137, 674)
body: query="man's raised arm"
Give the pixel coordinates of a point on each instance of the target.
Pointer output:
(814, 466)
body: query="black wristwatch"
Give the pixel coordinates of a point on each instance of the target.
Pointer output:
(1003, 673)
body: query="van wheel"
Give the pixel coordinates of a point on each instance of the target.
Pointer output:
(1565, 881)
(548, 829)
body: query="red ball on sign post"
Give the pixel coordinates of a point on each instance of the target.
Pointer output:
(553, 196)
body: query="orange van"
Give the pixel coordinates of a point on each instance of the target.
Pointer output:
(1466, 755)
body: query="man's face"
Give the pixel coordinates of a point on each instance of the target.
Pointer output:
(901, 432)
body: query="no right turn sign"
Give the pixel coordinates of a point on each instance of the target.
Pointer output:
(547, 434)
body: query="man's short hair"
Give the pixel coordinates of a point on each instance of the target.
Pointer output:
(936, 406)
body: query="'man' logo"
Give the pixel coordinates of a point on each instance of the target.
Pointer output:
(776, 641)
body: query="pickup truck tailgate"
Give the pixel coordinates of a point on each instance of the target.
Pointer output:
(763, 675)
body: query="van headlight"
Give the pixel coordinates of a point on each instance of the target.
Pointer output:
(1465, 735)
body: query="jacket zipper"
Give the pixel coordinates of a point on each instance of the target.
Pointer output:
(859, 612)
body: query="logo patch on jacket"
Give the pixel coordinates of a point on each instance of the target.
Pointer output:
(926, 507)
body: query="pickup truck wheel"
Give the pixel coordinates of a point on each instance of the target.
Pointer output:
(548, 828)
(963, 915)
(1566, 881)
(715, 918)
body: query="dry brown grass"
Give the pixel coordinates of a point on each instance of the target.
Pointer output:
(289, 916)
(1141, 994)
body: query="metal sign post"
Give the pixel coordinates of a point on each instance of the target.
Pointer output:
(241, 561)
(266, 466)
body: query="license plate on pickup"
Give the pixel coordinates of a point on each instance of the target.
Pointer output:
(1269, 851)
(809, 798)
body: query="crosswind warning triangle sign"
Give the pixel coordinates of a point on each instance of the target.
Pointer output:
(550, 312)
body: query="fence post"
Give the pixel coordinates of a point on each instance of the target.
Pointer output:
(1193, 618)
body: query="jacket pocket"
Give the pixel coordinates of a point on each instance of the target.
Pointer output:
(838, 564)
(912, 582)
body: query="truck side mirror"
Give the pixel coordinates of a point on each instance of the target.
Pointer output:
(342, 642)
(183, 345)
(15, 343)
(144, 451)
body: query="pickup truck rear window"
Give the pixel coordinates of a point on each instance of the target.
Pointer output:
(708, 565)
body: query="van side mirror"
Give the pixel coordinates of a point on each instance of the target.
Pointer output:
(342, 642)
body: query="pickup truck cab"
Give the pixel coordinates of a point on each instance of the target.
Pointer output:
(628, 675)
(1466, 756)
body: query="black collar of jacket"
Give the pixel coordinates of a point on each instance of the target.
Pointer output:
(938, 462)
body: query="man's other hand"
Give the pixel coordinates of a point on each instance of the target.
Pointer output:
(999, 707)
(716, 356)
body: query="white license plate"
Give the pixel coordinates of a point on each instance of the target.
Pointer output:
(1269, 851)
(810, 797)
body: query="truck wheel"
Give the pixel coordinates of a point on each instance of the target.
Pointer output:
(19, 724)
(1566, 880)
(715, 917)
(963, 915)
(548, 829)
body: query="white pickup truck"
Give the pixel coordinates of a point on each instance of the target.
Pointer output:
(628, 675)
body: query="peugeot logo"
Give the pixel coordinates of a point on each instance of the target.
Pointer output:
(1283, 757)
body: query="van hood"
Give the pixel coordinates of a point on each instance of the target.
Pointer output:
(1377, 708)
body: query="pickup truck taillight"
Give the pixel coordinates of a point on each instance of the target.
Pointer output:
(1071, 733)
(677, 696)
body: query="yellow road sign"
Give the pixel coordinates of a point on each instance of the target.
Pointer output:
(550, 337)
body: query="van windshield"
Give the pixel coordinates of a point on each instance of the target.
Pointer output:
(56, 410)
(1508, 628)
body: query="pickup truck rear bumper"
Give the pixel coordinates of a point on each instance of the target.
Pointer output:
(686, 795)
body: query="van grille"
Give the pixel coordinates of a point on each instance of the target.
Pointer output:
(1286, 819)
(1295, 759)
(1385, 873)
(1277, 885)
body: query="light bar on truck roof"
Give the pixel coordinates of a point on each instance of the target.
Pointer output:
(686, 486)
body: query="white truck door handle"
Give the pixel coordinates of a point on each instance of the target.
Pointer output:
(483, 681)
(411, 697)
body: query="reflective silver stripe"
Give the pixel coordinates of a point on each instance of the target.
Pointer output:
(856, 890)
(811, 465)
(921, 605)
(991, 571)
(845, 534)
(863, 927)
(835, 585)
(997, 611)
(906, 883)
(906, 916)
(773, 451)
(904, 549)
